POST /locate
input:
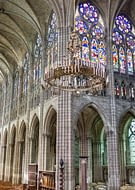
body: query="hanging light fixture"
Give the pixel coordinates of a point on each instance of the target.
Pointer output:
(75, 73)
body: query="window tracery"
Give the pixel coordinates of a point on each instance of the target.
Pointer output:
(123, 48)
(25, 73)
(37, 59)
(131, 143)
(90, 27)
(52, 42)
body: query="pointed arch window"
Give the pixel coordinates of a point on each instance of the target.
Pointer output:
(25, 73)
(131, 143)
(123, 48)
(115, 58)
(90, 27)
(52, 42)
(37, 59)
(16, 86)
(103, 148)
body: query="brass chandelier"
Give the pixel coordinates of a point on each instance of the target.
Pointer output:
(75, 74)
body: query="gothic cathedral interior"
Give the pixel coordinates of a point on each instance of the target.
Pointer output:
(67, 88)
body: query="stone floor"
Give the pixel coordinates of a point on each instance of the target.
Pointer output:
(9, 186)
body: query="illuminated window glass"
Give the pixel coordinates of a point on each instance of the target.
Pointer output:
(85, 49)
(52, 42)
(16, 84)
(124, 41)
(122, 60)
(25, 73)
(90, 27)
(37, 59)
(129, 61)
(115, 58)
(131, 142)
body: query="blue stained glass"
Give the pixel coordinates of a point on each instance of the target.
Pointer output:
(85, 49)
(131, 136)
(123, 24)
(129, 62)
(88, 23)
(123, 36)
(122, 60)
(131, 42)
(102, 53)
(117, 37)
(80, 26)
(115, 58)
(94, 52)
(52, 33)
(97, 32)
(88, 12)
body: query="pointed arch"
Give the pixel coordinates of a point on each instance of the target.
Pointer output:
(34, 132)
(22, 130)
(50, 133)
(49, 119)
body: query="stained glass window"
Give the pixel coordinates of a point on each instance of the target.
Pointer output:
(131, 142)
(52, 43)
(122, 60)
(25, 73)
(94, 52)
(90, 27)
(124, 41)
(103, 148)
(16, 85)
(129, 61)
(37, 59)
(85, 49)
(115, 58)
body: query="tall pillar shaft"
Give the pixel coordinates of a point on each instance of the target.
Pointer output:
(113, 164)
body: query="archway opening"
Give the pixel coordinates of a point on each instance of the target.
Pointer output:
(51, 141)
(127, 147)
(90, 142)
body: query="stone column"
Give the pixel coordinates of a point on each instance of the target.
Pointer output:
(83, 165)
(64, 129)
(64, 142)
(123, 161)
(3, 156)
(89, 160)
(48, 153)
(44, 152)
(10, 162)
(17, 163)
(113, 163)
(112, 139)
(7, 158)
(97, 161)
(30, 148)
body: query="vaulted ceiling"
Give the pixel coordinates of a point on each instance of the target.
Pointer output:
(20, 20)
